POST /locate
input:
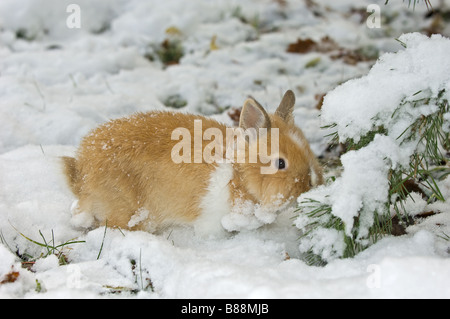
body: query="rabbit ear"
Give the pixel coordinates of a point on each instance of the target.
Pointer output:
(253, 115)
(286, 107)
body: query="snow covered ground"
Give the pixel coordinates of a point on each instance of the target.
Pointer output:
(57, 83)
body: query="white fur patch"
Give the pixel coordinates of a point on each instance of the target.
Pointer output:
(246, 215)
(139, 216)
(81, 219)
(314, 177)
(216, 202)
(242, 216)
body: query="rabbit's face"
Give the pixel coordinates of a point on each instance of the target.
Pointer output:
(284, 171)
(285, 166)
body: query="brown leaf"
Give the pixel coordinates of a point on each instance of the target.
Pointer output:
(329, 46)
(10, 277)
(427, 214)
(349, 57)
(302, 46)
(325, 45)
(319, 98)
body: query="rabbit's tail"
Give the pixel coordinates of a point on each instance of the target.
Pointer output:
(72, 174)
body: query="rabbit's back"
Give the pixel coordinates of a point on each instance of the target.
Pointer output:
(127, 175)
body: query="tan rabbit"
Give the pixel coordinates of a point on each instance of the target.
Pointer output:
(128, 172)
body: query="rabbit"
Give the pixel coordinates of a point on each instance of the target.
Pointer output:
(124, 173)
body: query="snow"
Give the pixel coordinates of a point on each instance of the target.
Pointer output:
(357, 107)
(404, 75)
(57, 83)
(21, 284)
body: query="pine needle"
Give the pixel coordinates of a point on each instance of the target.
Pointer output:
(103, 240)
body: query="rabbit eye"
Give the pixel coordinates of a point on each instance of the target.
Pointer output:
(280, 163)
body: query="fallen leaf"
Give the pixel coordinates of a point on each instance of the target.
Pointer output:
(319, 98)
(302, 46)
(213, 45)
(327, 45)
(10, 277)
